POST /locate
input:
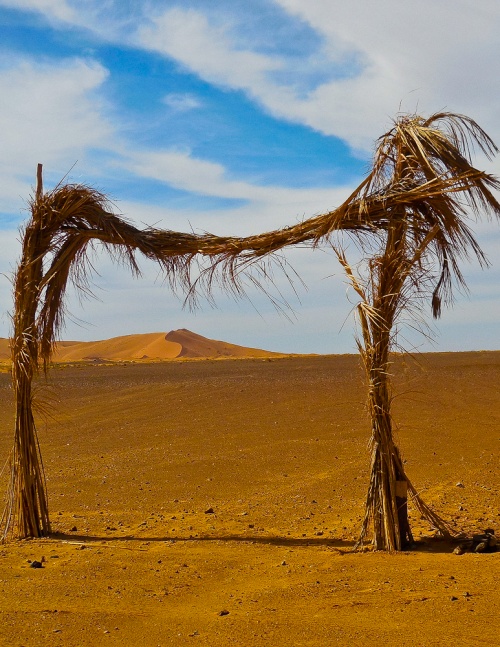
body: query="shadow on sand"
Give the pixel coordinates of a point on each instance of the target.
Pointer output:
(427, 545)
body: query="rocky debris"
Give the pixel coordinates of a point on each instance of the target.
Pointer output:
(483, 543)
(210, 511)
(224, 612)
(36, 564)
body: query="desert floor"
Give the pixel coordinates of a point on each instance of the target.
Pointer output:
(136, 456)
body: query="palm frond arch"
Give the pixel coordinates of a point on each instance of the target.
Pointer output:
(415, 202)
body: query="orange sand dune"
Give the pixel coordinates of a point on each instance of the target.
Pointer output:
(194, 345)
(149, 347)
(129, 347)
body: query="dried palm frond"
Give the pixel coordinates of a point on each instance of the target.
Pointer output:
(420, 249)
(416, 196)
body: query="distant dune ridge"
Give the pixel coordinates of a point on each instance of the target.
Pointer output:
(151, 346)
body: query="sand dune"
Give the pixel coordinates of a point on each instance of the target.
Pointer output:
(148, 347)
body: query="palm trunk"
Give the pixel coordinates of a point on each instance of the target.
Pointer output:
(27, 508)
(387, 494)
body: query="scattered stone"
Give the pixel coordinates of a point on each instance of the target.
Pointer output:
(224, 612)
(209, 511)
(74, 529)
(453, 598)
(35, 564)
(460, 484)
(283, 563)
(484, 543)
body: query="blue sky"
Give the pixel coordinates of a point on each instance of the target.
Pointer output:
(235, 117)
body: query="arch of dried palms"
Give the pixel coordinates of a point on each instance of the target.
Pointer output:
(413, 207)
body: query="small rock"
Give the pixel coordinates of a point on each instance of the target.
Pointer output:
(458, 550)
(460, 484)
(481, 547)
(466, 594)
(283, 563)
(209, 511)
(224, 612)
(453, 598)
(74, 529)
(35, 564)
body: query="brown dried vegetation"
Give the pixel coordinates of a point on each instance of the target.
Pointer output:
(413, 204)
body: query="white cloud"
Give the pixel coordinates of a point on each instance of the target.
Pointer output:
(52, 8)
(187, 36)
(414, 56)
(272, 203)
(415, 53)
(48, 114)
(181, 102)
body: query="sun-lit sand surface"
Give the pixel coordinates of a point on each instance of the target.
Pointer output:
(182, 489)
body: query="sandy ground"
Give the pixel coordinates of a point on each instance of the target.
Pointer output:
(217, 502)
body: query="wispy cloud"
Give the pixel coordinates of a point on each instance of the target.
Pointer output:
(428, 67)
(189, 37)
(52, 8)
(49, 113)
(182, 102)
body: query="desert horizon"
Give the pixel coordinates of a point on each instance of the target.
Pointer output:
(175, 344)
